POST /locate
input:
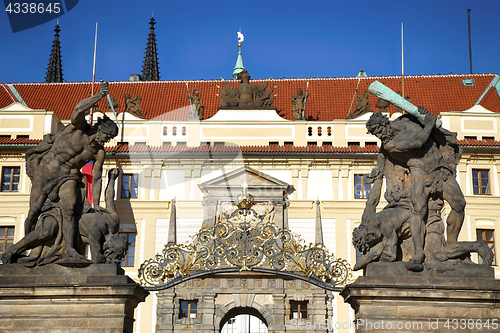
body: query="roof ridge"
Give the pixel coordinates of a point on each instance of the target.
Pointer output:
(264, 79)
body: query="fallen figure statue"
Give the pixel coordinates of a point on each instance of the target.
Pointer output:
(99, 229)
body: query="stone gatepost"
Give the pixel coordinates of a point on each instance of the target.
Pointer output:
(392, 299)
(54, 298)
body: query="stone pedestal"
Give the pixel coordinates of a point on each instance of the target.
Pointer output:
(461, 298)
(53, 298)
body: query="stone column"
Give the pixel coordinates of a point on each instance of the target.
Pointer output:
(278, 325)
(207, 311)
(165, 312)
(279, 214)
(209, 212)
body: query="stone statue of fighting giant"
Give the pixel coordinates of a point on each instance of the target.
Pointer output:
(418, 159)
(56, 200)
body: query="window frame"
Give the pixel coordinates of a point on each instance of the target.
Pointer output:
(363, 183)
(130, 182)
(479, 186)
(189, 309)
(128, 255)
(4, 237)
(299, 310)
(11, 184)
(488, 242)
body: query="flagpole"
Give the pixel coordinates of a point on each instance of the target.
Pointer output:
(93, 73)
(402, 64)
(470, 42)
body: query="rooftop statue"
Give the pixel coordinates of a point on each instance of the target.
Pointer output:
(299, 104)
(197, 107)
(247, 95)
(56, 194)
(418, 161)
(362, 105)
(132, 106)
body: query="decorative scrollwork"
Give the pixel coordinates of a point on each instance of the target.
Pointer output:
(244, 242)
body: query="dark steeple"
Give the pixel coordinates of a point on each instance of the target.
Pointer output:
(54, 70)
(150, 70)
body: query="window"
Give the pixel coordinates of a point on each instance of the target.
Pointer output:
(189, 309)
(298, 310)
(361, 188)
(6, 238)
(130, 186)
(10, 179)
(470, 137)
(468, 82)
(85, 249)
(130, 256)
(480, 181)
(489, 237)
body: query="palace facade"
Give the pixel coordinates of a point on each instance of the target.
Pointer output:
(168, 157)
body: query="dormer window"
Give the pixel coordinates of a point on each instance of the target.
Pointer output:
(468, 82)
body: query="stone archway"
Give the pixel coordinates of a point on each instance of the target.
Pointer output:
(221, 296)
(236, 311)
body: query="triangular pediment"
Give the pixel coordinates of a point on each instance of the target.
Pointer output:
(478, 109)
(230, 185)
(246, 174)
(16, 107)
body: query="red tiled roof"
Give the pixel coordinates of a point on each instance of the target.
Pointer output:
(18, 141)
(478, 143)
(223, 148)
(330, 98)
(6, 96)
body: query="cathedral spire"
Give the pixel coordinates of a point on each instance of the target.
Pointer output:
(150, 70)
(54, 69)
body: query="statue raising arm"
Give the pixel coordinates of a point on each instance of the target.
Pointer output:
(78, 116)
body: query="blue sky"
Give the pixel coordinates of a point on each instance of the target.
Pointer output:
(293, 39)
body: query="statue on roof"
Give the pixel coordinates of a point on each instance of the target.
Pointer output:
(382, 104)
(362, 105)
(418, 160)
(114, 102)
(247, 95)
(299, 103)
(197, 107)
(132, 105)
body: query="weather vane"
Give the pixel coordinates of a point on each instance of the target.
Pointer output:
(241, 38)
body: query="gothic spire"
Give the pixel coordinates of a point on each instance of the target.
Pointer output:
(54, 70)
(150, 70)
